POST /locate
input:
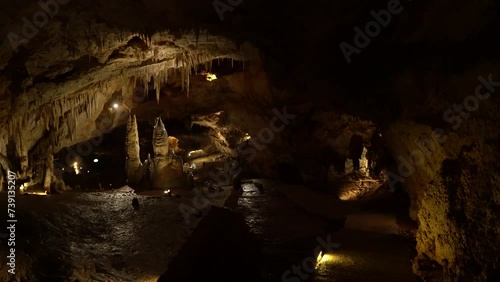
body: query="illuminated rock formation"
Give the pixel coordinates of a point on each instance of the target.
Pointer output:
(160, 157)
(133, 166)
(166, 168)
(49, 173)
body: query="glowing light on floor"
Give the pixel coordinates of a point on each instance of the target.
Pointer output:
(320, 257)
(148, 278)
(325, 259)
(75, 167)
(96, 160)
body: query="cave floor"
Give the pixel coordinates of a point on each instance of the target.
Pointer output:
(98, 236)
(253, 236)
(261, 236)
(291, 224)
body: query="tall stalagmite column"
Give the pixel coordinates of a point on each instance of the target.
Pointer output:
(49, 172)
(22, 152)
(159, 170)
(133, 165)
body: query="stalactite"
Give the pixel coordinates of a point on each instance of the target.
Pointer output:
(157, 83)
(182, 78)
(95, 103)
(68, 122)
(47, 120)
(145, 82)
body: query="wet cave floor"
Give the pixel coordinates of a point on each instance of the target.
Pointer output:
(261, 236)
(244, 236)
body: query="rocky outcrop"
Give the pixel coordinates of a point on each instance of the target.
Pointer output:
(448, 164)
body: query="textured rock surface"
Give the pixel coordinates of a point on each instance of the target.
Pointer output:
(453, 180)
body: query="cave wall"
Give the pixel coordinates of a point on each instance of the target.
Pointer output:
(452, 176)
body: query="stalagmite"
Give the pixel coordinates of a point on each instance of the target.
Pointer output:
(160, 149)
(133, 165)
(160, 139)
(165, 170)
(49, 172)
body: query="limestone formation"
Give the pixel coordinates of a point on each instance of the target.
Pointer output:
(160, 157)
(49, 173)
(133, 166)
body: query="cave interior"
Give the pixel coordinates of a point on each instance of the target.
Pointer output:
(236, 140)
